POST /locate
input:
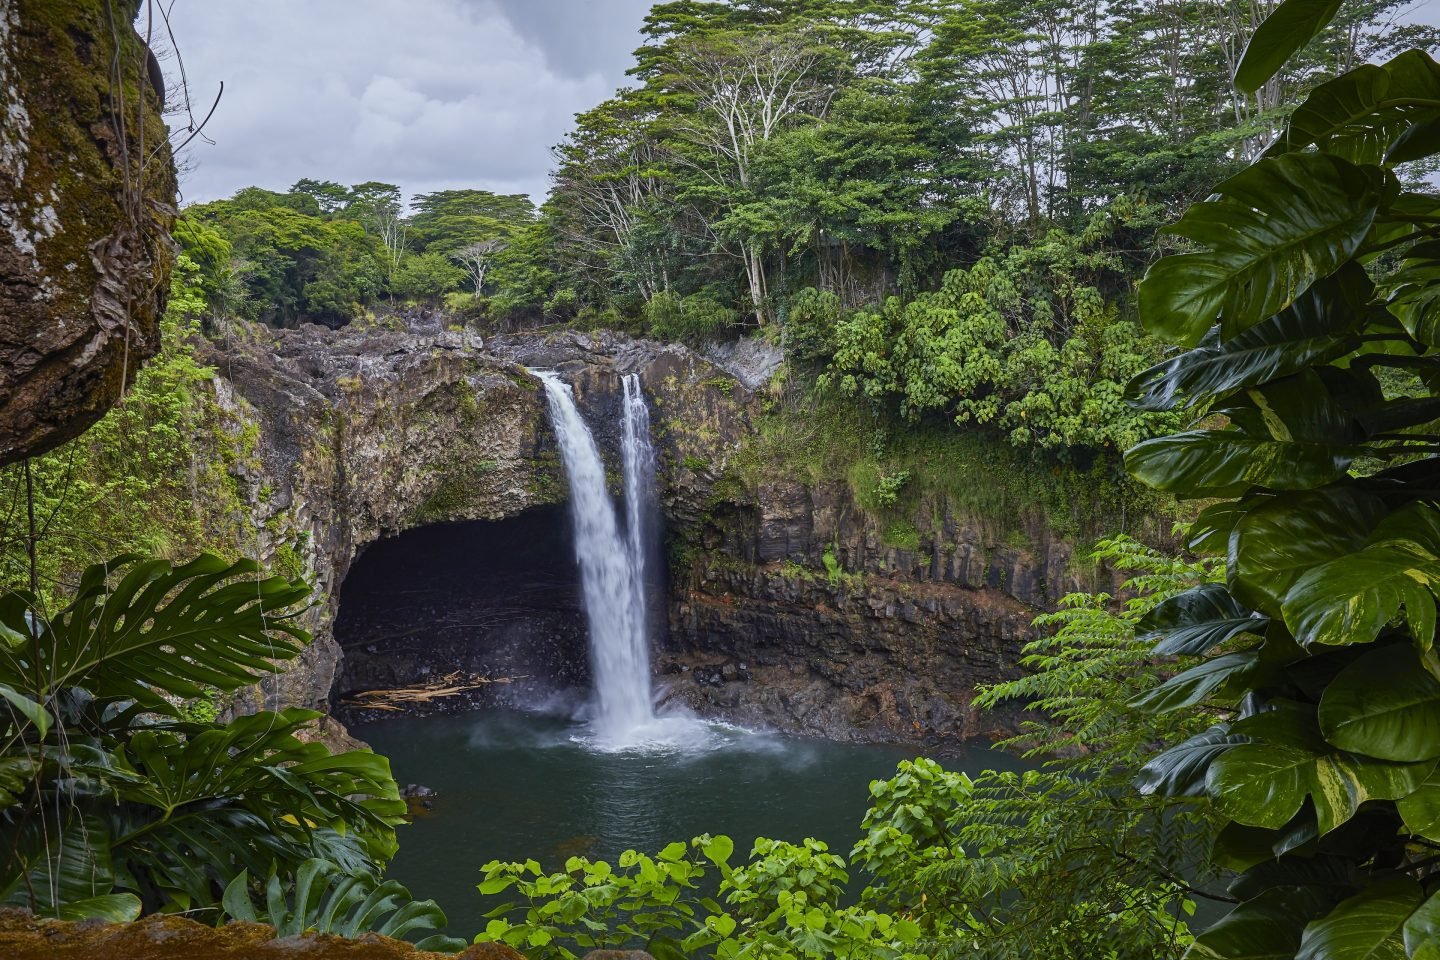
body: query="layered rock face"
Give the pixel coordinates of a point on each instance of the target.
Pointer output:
(785, 606)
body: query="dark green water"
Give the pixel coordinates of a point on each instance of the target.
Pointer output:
(514, 786)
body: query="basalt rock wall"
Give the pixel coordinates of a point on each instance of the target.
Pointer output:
(786, 607)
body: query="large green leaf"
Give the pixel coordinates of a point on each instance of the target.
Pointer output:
(1368, 926)
(1284, 33)
(1282, 224)
(141, 624)
(1220, 463)
(1188, 688)
(1367, 114)
(64, 870)
(1282, 538)
(1422, 931)
(1268, 927)
(326, 900)
(1180, 770)
(1193, 622)
(1351, 599)
(1313, 329)
(1384, 705)
(1265, 784)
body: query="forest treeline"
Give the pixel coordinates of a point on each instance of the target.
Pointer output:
(946, 204)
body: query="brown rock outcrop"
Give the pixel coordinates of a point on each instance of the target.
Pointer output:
(87, 195)
(161, 937)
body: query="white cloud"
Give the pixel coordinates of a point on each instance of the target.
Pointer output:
(428, 94)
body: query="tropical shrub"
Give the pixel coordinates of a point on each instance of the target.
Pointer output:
(1024, 344)
(326, 899)
(110, 802)
(1306, 277)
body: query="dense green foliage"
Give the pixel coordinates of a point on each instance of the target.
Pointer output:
(1306, 295)
(323, 252)
(112, 801)
(1060, 861)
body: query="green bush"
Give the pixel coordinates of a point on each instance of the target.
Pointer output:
(689, 319)
(811, 322)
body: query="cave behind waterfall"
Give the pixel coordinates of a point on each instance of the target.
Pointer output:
(496, 599)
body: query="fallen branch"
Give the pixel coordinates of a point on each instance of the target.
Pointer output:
(450, 685)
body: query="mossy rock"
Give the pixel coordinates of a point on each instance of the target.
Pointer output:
(87, 202)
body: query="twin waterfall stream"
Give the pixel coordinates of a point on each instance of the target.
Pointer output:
(613, 568)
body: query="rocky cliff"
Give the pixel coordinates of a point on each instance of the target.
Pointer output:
(789, 605)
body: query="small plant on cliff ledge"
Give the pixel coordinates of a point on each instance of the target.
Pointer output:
(112, 802)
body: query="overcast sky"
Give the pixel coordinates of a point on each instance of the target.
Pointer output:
(427, 94)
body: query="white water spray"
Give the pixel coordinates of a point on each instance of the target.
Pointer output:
(610, 572)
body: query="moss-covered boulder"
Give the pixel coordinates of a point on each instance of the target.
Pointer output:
(87, 201)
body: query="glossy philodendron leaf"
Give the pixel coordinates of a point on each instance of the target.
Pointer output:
(1197, 620)
(1314, 329)
(1190, 687)
(1265, 784)
(1282, 224)
(1350, 599)
(1268, 927)
(1421, 932)
(1368, 926)
(1415, 295)
(1370, 114)
(1180, 770)
(1281, 539)
(65, 871)
(1384, 705)
(1221, 463)
(1288, 29)
(138, 625)
(27, 709)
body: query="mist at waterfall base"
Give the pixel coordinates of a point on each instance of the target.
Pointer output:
(515, 786)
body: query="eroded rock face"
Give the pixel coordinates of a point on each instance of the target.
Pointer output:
(787, 607)
(87, 195)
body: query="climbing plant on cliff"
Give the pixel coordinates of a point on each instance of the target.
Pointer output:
(1308, 301)
(111, 803)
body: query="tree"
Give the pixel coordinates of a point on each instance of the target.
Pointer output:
(741, 91)
(476, 258)
(1306, 299)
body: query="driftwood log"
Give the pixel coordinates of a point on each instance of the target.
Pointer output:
(398, 698)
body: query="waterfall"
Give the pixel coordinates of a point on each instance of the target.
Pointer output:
(640, 514)
(612, 567)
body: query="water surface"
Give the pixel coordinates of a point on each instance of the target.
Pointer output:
(514, 786)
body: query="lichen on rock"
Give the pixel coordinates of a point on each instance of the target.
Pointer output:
(87, 201)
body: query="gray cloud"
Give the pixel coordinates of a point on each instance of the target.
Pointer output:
(428, 94)
(579, 39)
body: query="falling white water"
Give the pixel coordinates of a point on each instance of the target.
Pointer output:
(610, 574)
(639, 457)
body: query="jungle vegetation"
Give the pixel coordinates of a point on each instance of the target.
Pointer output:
(955, 212)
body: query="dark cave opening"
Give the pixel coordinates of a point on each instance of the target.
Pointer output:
(498, 599)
